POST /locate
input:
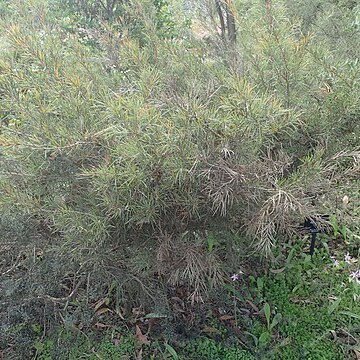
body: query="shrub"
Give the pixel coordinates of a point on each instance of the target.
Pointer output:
(166, 139)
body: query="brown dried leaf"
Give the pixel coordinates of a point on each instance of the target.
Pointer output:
(141, 338)
(357, 354)
(255, 308)
(100, 303)
(139, 355)
(102, 311)
(102, 326)
(209, 330)
(226, 317)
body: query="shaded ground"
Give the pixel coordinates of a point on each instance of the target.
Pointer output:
(300, 310)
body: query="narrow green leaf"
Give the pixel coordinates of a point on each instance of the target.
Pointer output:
(154, 316)
(267, 312)
(348, 313)
(289, 258)
(275, 321)
(256, 340)
(333, 306)
(172, 352)
(264, 338)
(211, 241)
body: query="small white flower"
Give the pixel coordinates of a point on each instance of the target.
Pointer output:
(355, 276)
(345, 200)
(335, 262)
(235, 277)
(226, 153)
(347, 258)
(42, 33)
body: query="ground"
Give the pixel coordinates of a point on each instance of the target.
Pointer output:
(303, 308)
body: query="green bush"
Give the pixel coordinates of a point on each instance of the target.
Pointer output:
(132, 145)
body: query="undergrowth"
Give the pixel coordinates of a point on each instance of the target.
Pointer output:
(315, 304)
(142, 163)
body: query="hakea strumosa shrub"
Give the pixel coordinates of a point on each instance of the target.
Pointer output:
(163, 138)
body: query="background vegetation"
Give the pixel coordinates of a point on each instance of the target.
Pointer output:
(150, 149)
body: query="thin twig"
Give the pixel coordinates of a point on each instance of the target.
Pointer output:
(15, 265)
(66, 298)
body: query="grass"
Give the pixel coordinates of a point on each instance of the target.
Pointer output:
(319, 307)
(307, 309)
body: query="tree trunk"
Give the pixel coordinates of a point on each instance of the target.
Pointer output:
(221, 18)
(230, 18)
(225, 10)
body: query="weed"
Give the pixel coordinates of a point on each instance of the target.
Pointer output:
(311, 296)
(206, 349)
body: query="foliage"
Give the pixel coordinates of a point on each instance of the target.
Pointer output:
(116, 139)
(312, 296)
(319, 308)
(209, 349)
(141, 19)
(112, 346)
(129, 152)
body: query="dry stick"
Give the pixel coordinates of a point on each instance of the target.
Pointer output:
(145, 289)
(16, 264)
(66, 298)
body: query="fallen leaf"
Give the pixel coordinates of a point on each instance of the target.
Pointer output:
(154, 316)
(100, 303)
(277, 271)
(102, 311)
(255, 308)
(209, 330)
(226, 317)
(102, 326)
(141, 338)
(139, 355)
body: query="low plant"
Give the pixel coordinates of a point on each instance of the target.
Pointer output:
(313, 297)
